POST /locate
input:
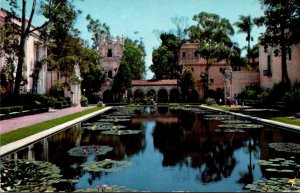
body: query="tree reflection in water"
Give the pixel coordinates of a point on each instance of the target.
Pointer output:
(199, 147)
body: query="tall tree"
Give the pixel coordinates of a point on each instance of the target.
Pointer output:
(134, 55)
(181, 24)
(213, 36)
(122, 80)
(99, 31)
(165, 58)
(245, 25)
(8, 49)
(91, 72)
(64, 41)
(282, 21)
(187, 83)
(25, 29)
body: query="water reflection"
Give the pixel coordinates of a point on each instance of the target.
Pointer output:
(172, 145)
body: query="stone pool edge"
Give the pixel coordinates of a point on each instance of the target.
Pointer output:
(258, 119)
(11, 147)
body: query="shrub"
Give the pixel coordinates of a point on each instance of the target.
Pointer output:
(250, 93)
(292, 98)
(100, 104)
(210, 101)
(84, 101)
(57, 90)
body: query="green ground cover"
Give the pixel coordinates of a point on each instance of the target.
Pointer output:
(287, 120)
(33, 129)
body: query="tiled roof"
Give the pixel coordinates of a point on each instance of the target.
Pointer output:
(154, 82)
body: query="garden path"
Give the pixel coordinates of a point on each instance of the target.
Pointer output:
(19, 122)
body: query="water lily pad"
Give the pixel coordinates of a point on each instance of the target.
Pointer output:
(278, 167)
(104, 127)
(28, 175)
(285, 147)
(121, 132)
(106, 165)
(236, 121)
(89, 150)
(218, 115)
(106, 188)
(273, 185)
(241, 126)
(114, 120)
(203, 112)
(230, 130)
(96, 123)
(117, 116)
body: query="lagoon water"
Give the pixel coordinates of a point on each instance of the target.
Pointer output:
(176, 151)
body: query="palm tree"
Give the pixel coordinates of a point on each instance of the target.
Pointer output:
(245, 25)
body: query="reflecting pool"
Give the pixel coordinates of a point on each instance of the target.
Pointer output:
(175, 150)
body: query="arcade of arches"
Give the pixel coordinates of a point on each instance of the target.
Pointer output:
(159, 90)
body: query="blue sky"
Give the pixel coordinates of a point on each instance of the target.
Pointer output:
(125, 17)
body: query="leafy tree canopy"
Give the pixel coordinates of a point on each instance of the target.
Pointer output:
(122, 80)
(213, 34)
(165, 57)
(99, 31)
(91, 72)
(134, 55)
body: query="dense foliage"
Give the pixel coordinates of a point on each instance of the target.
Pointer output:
(279, 93)
(165, 58)
(92, 74)
(187, 85)
(132, 66)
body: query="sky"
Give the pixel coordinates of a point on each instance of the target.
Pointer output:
(139, 18)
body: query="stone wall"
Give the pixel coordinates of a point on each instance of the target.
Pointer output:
(241, 79)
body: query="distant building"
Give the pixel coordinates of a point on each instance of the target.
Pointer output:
(110, 52)
(188, 59)
(270, 66)
(224, 86)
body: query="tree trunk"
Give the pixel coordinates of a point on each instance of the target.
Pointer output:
(21, 55)
(249, 39)
(284, 73)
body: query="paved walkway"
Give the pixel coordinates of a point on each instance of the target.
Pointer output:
(19, 122)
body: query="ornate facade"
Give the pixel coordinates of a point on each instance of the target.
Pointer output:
(218, 80)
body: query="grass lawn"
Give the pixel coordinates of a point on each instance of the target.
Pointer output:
(33, 129)
(226, 108)
(286, 120)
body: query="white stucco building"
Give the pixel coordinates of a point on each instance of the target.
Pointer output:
(35, 53)
(270, 66)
